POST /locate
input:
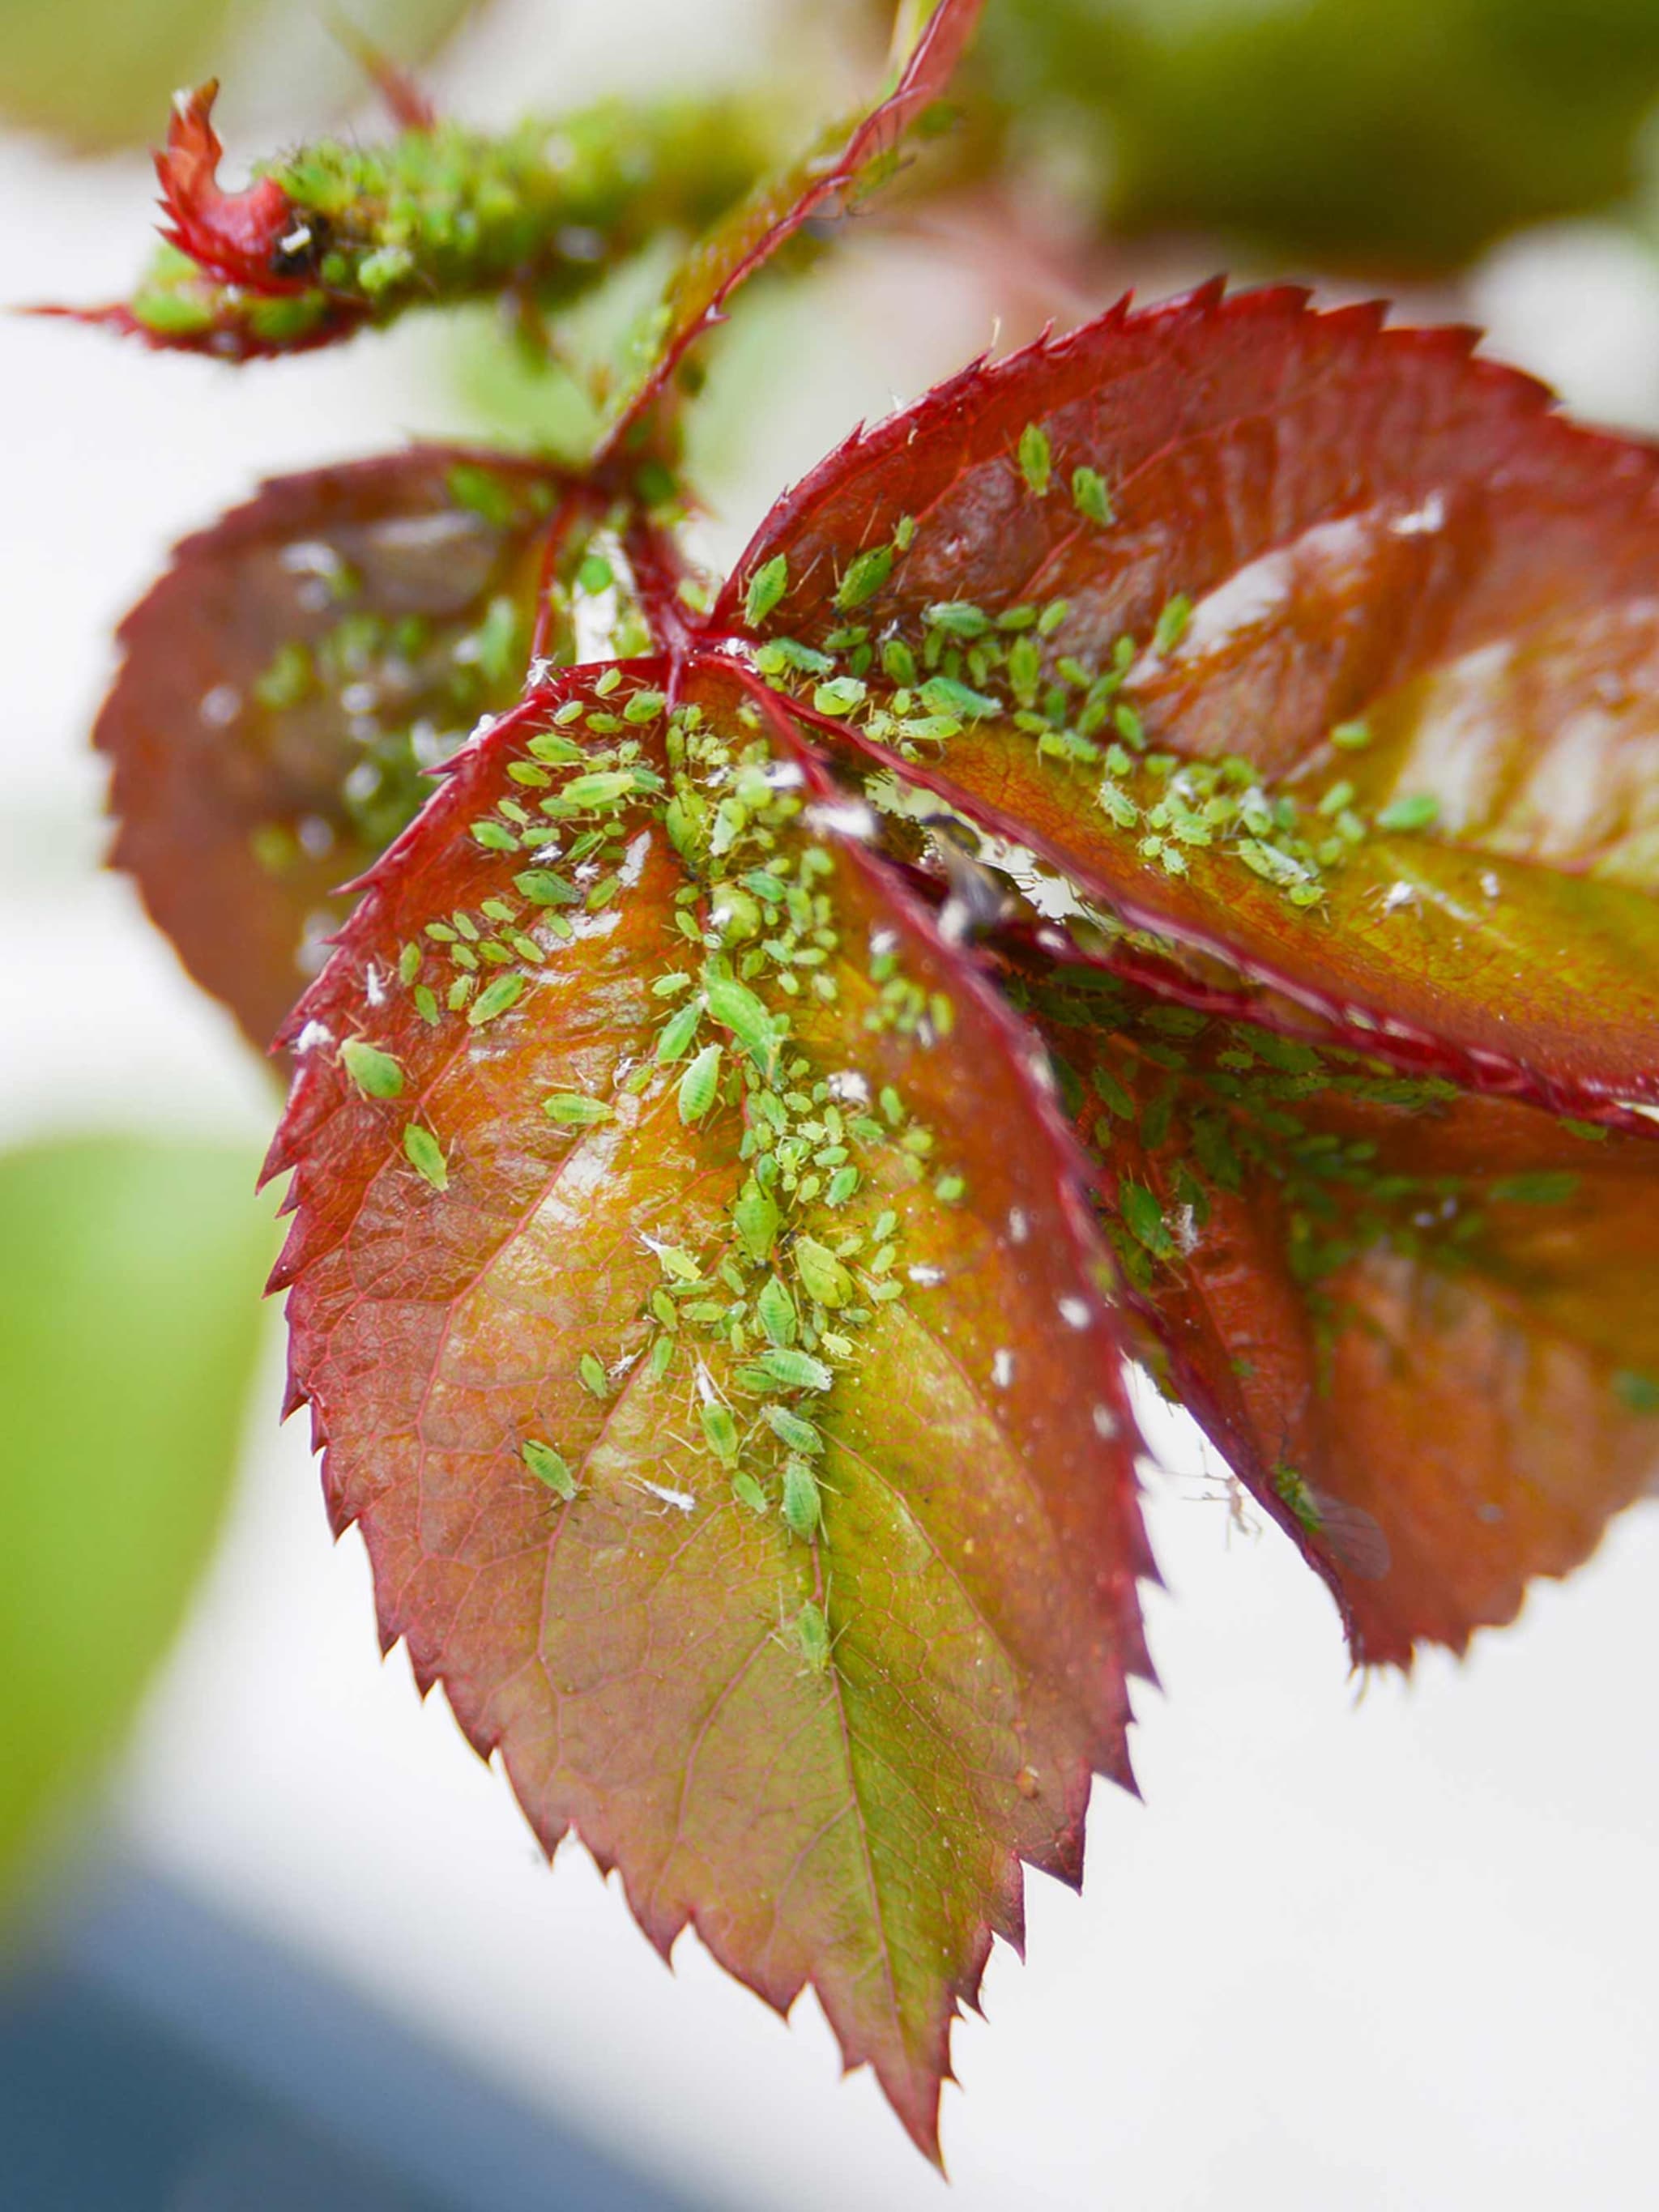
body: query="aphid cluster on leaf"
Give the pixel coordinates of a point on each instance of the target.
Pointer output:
(718, 1182)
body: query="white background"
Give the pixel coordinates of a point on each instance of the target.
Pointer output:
(1397, 1951)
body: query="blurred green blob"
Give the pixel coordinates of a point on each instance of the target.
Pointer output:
(129, 1319)
(100, 73)
(1400, 134)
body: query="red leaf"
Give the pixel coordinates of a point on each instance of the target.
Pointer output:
(1294, 533)
(288, 682)
(1424, 1329)
(848, 162)
(231, 235)
(824, 1741)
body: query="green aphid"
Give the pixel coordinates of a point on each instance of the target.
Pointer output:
(949, 1189)
(1143, 1216)
(494, 838)
(780, 653)
(795, 1371)
(822, 1277)
(1036, 459)
(1546, 1187)
(1024, 667)
(608, 682)
(812, 1636)
(699, 1085)
(481, 493)
(1117, 806)
(1351, 736)
(594, 1380)
(767, 586)
(1091, 497)
(958, 617)
(943, 695)
(662, 1358)
(287, 680)
(735, 1007)
(542, 888)
(555, 749)
(1293, 1491)
(748, 1491)
(408, 963)
(545, 1464)
(840, 697)
(1418, 810)
(376, 1073)
(426, 1005)
(720, 1430)
(755, 1218)
(774, 1309)
(1638, 1392)
(679, 1033)
(573, 1111)
(1172, 625)
(495, 999)
(644, 707)
(865, 578)
(1052, 616)
(595, 575)
(790, 1428)
(602, 787)
(426, 1156)
(898, 663)
(803, 1507)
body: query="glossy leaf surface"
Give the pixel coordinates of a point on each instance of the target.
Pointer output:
(1422, 1327)
(1152, 591)
(701, 1311)
(288, 683)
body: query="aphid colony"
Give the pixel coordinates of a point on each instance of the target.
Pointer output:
(756, 1043)
(441, 214)
(968, 664)
(402, 690)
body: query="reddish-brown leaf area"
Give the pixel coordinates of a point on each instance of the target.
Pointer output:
(725, 1374)
(288, 682)
(1299, 543)
(1424, 1329)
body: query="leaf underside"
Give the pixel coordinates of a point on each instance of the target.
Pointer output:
(288, 684)
(1418, 1325)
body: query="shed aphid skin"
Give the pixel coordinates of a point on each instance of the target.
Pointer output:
(676, 1500)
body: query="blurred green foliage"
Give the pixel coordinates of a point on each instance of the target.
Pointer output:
(129, 1319)
(1402, 134)
(100, 73)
